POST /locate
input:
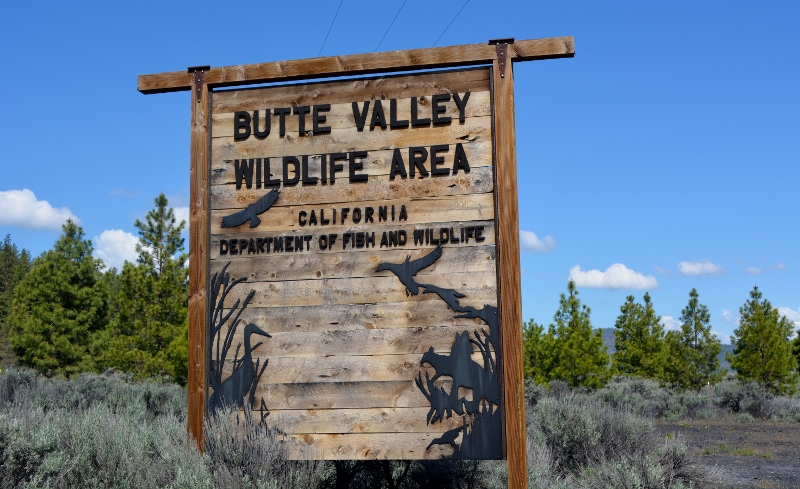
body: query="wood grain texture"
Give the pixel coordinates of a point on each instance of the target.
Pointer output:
(339, 368)
(368, 446)
(340, 116)
(277, 268)
(473, 129)
(198, 253)
(378, 163)
(479, 181)
(477, 207)
(378, 229)
(342, 395)
(341, 92)
(478, 287)
(418, 59)
(347, 317)
(373, 420)
(488, 235)
(358, 342)
(509, 275)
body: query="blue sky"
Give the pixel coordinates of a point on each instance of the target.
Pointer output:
(664, 156)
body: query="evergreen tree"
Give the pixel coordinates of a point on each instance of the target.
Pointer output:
(14, 264)
(536, 350)
(639, 340)
(148, 336)
(577, 354)
(691, 353)
(762, 346)
(796, 350)
(59, 306)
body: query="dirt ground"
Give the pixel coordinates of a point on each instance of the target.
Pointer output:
(758, 454)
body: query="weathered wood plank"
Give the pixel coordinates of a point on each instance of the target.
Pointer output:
(340, 116)
(341, 92)
(276, 268)
(509, 275)
(304, 370)
(478, 288)
(198, 251)
(341, 395)
(479, 154)
(373, 420)
(478, 181)
(419, 59)
(477, 207)
(345, 317)
(395, 341)
(473, 129)
(488, 235)
(368, 446)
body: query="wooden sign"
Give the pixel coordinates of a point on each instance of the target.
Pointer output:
(358, 253)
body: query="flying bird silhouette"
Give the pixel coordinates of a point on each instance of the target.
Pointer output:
(449, 296)
(405, 271)
(251, 212)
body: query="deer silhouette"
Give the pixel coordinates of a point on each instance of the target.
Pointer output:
(232, 391)
(464, 371)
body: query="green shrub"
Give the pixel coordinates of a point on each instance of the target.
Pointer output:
(242, 452)
(641, 396)
(577, 440)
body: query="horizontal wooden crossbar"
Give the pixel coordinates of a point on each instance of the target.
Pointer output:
(358, 64)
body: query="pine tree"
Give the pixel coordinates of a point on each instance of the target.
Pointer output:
(536, 350)
(762, 346)
(148, 335)
(577, 354)
(14, 264)
(691, 354)
(59, 306)
(639, 340)
(796, 350)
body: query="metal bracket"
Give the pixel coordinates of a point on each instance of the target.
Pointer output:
(502, 51)
(198, 72)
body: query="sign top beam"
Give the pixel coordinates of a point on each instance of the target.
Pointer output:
(359, 64)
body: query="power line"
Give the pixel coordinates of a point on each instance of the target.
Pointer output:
(451, 23)
(331, 27)
(390, 25)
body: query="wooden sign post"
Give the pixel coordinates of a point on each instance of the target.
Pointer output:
(354, 251)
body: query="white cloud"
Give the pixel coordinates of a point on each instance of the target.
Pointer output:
(617, 276)
(670, 323)
(725, 338)
(730, 317)
(778, 266)
(528, 241)
(662, 271)
(752, 271)
(704, 267)
(182, 214)
(791, 315)
(115, 247)
(22, 208)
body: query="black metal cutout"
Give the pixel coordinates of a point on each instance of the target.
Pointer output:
(481, 429)
(251, 212)
(405, 271)
(240, 386)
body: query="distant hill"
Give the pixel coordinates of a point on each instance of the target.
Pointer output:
(608, 339)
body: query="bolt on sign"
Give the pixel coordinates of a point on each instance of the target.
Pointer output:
(354, 251)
